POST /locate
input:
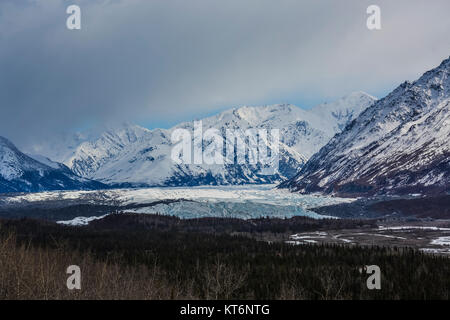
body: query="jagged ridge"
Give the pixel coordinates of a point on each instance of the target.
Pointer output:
(399, 145)
(134, 156)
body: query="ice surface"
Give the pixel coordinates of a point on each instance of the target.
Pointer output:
(224, 201)
(232, 209)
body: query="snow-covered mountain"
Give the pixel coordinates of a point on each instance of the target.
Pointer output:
(50, 163)
(399, 145)
(21, 173)
(134, 156)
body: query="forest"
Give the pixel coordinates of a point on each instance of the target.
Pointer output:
(172, 263)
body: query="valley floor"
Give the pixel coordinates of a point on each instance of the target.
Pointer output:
(429, 237)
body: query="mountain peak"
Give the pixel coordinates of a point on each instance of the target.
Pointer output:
(346, 101)
(358, 95)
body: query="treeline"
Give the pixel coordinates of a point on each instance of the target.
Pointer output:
(210, 266)
(134, 222)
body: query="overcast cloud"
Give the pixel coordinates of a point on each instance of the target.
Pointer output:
(160, 61)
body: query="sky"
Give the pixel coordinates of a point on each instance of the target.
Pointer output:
(159, 62)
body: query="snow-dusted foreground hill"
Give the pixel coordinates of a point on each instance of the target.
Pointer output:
(227, 201)
(399, 145)
(134, 156)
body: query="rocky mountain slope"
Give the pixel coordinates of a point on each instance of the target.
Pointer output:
(399, 145)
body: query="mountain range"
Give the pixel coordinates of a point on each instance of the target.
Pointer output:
(130, 155)
(399, 145)
(357, 145)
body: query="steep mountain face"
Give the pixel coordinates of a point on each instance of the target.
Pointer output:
(399, 145)
(21, 173)
(134, 156)
(307, 131)
(89, 157)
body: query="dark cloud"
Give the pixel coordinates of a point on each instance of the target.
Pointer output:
(163, 60)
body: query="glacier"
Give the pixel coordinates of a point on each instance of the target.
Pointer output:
(244, 202)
